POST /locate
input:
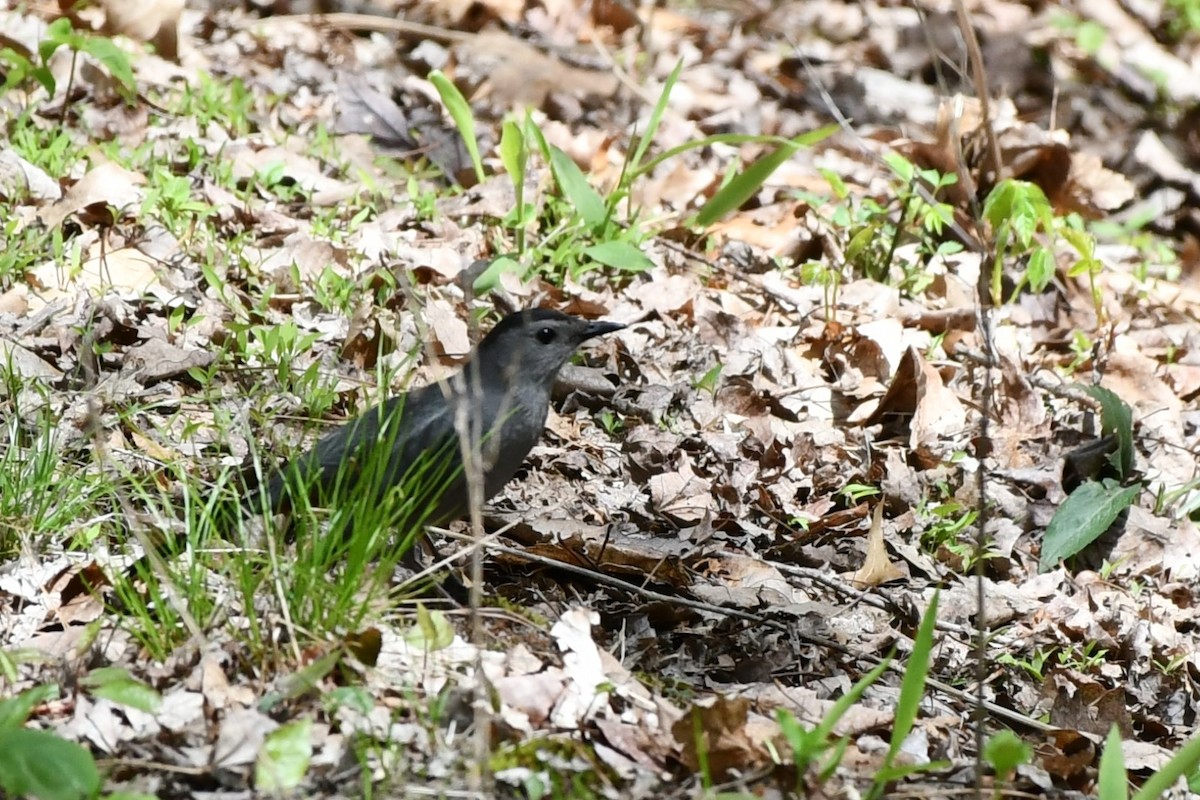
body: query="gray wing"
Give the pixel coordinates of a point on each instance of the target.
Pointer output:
(408, 436)
(410, 440)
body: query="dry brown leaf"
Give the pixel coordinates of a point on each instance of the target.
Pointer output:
(732, 739)
(106, 185)
(582, 667)
(240, 736)
(20, 179)
(154, 21)
(877, 567)
(447, 330)
(534, 696)
(517, 74)
(156, 360)
(153, 449)
(25, 364)
(682, 494)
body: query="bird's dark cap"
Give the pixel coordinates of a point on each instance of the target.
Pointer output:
(532, 316)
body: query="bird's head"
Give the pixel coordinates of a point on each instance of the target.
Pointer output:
(531, 346)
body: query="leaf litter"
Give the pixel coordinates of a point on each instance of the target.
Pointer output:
(714, 537)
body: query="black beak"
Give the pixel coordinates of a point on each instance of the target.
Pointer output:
(600, 327)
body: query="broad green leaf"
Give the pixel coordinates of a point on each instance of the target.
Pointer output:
(619, 255)
(1116, 417)
(42, 765)
(836, 184)
(1040, 269)
(117, 685)
(514, 154)
(1005, 752)
(1083, 517)
(803, 140)
(115, 60)
(576, 189)
(460, 112)
(432, 631)
(900, 165)
(1082, 241)
(58, 33)
(489, 279)
(1090, 36)
(15, 710)
(284, 758)
(861, 240)
(302, 681)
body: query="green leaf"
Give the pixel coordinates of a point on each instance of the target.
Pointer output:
(576, 189)
(1112, 782)
(619, 255)
(1116, 417)
(1184, 762)
(843, 703)
(15, 710)
(655, 119)
(514, 154)
(803, 140)
(1090, 37)
(302, 681)
(460, 112)
(1083, 517)
(1005, 752)
(1040, 269)
(742, 187)
(912, 687)
(42, 765)
(432, 631)
(58, 33)
(284, 758)
(115, 61)
(861, 240)
(836, 184)
(900, 165)
(489, 279)
(117, 685)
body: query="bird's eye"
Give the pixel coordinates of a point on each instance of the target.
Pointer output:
(545, 335)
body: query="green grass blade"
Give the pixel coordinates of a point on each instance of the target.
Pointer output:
(912, 688)
(1111, 782)
(742, 187)
(655, 119)
(804, 140)
(843, 703)
(1183, 763)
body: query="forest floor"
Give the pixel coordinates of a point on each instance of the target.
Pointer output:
(890, 347)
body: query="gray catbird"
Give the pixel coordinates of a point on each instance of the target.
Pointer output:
(411, 440)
